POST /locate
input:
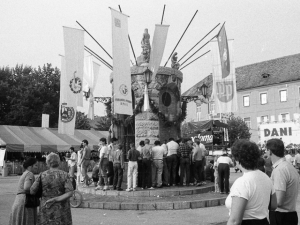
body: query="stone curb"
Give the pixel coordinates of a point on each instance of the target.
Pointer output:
(150, 193)
(176, 205)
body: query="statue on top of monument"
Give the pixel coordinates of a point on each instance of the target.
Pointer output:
(146, 46)
(175, 64)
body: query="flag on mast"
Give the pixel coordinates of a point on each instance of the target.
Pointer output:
(158, 47)
(224, 89)
(224, 52)
(121, 64)
(71, 79)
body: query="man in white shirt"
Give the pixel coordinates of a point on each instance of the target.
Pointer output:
(224, 163)
(72, 161)
(286, 183)
(157, 165)
(103, 165)
(172, 160)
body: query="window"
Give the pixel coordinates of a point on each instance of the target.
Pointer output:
(263, 98)
(198, 113)
(285, 116)
(246, 100)
(166, 99)
(282, 95)
(211, 108)
(264, 118)
(247, 120)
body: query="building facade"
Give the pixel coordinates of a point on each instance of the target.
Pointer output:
(268, 92)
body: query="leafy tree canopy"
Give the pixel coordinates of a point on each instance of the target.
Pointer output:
(237, 129)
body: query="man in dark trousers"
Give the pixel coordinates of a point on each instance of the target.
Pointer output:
(286, 184)
(224, 163)
(185, 161)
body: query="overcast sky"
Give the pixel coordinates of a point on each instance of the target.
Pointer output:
(31, 30)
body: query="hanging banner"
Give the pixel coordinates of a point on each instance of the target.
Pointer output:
(158, 48)
(121, 64)
(2, 157)
(224, 89)
(74, 56)
(224, 52)
(67, 105)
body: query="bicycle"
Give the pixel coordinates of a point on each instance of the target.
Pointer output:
(76, 198)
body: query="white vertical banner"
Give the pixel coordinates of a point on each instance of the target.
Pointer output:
(94, 78)
(67, 105)
(74, 56)
(121, 64)
(158, 47)
(224, 89)
(71, 79)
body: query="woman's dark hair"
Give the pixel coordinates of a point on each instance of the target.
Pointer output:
(85, 141)
(29, 162)
(246, 153)
(276, 146)
(142, 143)
(103, 140)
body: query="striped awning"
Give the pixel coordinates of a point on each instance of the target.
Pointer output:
(39, 139)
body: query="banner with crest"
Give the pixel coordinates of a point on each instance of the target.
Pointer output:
(71, 79)
(121, 64)
(224, 80)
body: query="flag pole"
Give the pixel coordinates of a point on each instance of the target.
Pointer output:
(162, 18)
(180, 38)
(198, 42)
(198, 50)
(130, 41)
(93, 39)
(98, 57)
(195, 59)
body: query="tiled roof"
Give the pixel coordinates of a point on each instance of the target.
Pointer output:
(280, 70)
(193, 90)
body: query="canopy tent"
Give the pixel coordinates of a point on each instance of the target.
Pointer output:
(39, 139)
(200, 126)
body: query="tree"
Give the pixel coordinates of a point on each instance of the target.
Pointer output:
(237, 129)
(103, 123)
(82, 122)
(27, 93)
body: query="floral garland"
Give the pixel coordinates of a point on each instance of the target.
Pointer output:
(154, 109)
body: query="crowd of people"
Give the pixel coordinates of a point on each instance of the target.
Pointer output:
(254, 197)
(149, 167)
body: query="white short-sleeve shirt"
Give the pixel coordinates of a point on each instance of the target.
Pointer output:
(256, 187)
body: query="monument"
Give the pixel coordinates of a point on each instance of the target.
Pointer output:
(163, 118)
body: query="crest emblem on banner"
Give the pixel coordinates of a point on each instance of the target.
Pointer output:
(123, 89)
(225, 91)
(67, 113)
(76, 84)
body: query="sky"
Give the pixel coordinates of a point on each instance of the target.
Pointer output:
(32, 31)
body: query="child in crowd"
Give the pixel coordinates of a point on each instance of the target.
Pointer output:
(216, 175)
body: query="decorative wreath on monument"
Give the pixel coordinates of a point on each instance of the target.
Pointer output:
(154, 109)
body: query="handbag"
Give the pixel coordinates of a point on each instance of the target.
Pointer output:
(33, 201)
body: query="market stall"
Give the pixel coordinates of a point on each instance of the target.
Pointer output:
(21, 142)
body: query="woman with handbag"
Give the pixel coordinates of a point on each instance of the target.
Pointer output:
(57, 188)
(20, 213)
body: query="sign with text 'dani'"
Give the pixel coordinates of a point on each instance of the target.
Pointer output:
(121, 64)
(289, 132)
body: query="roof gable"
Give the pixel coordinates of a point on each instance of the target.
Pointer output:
(280, 70)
